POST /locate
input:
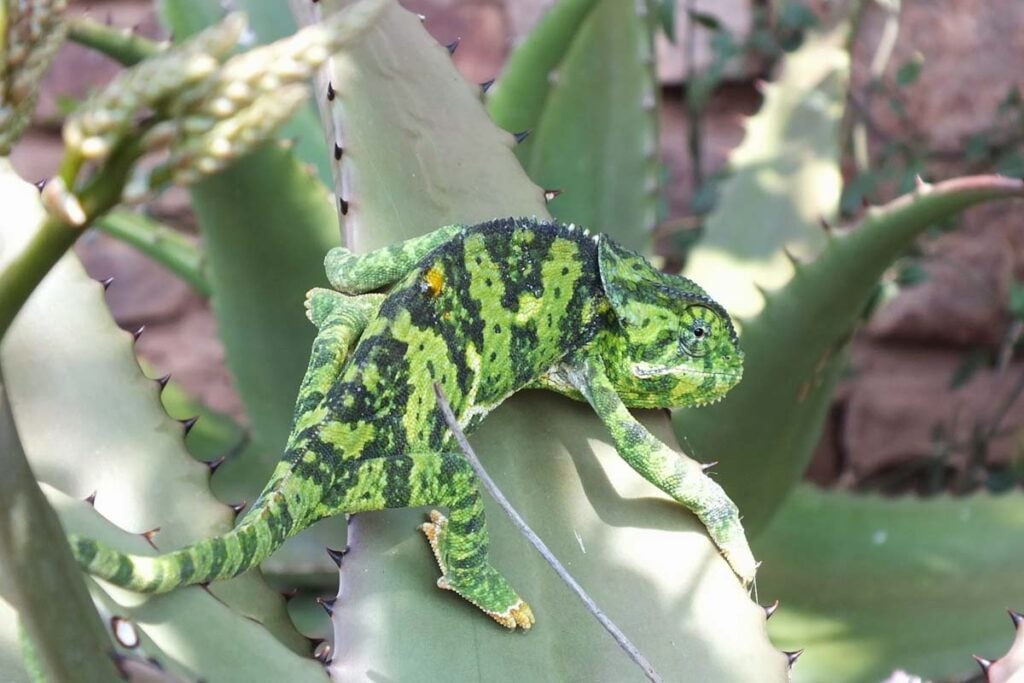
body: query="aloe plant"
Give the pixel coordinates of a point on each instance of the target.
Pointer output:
(414, 148)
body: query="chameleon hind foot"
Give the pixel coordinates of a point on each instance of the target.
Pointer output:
(481, 585)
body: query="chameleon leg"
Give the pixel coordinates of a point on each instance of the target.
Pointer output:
(341, 320)
(459, 541)
(357, 273)
(674, 473)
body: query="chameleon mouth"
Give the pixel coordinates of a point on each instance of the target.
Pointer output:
(645, 370)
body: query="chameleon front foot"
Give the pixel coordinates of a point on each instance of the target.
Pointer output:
(481, 585)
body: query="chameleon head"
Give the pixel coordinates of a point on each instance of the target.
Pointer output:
(674, 346)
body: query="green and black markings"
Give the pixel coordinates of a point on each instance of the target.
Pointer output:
(484, 311)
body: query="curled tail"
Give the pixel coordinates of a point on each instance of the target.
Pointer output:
(277, 514)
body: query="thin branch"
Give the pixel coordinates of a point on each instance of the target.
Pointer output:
(628, 647)
(122, 45)
(694, 135)
(879, 62)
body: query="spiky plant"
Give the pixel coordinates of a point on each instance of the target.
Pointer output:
(409, 147)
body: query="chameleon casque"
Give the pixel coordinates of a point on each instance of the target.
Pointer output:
(484, 311)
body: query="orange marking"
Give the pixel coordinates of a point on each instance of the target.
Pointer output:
(435, 282)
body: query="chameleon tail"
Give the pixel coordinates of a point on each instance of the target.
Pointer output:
(272, 519)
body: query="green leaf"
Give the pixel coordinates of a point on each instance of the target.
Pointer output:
(665, 11)
(869, 585)
(419, 150)
(972, 361)
(909, 71)
(597, 138)
(647, 564)
(1017, 299)
(785, 179)
(796, 347)
(111, 436)
(516, 101)
(708, 21)
(266, 223)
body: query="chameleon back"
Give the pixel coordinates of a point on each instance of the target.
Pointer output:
(465, 318)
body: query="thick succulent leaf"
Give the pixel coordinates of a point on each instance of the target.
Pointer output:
(517, 100)
(597, 138)
(266, 224)
(412, 159)
(90, 421)
(796, 348)
(34, 568)
(12, 668)
(220, 644)
(646, 563)
(784, 178)
(869, 585)
(1009, 668)
(418, 144)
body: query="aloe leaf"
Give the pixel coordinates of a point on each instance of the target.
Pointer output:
(869, 585)
(90, 421)
(796, 347)
(220, 644)
(34, 568)
(403, 130)
(1010, 667)
(516, 101)
(12, 668)
(784, 178)
(266, 224)
(647, 565)
(418, 153)
(596, 139)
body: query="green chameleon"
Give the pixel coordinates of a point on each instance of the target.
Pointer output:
(484, 311)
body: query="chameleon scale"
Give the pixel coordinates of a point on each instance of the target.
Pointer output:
(484, 311)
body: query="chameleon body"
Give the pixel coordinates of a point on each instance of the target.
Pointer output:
(484, 311)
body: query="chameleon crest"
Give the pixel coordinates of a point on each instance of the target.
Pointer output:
(483, 311)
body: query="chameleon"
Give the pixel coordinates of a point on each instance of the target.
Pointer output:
(483, 311)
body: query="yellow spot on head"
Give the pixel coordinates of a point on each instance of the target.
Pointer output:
(434, 281)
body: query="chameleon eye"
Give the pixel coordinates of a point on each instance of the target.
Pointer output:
(696, 332)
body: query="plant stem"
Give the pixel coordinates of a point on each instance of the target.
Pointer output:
(40, 576)
(122, 45)
(163, 244)
(694, 111)
(20, 277)
(55, 237)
